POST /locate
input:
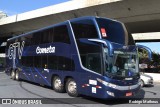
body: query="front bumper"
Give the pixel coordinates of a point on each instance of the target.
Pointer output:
(125, 93)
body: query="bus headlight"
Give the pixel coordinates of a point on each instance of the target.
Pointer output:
(107, 83)
(111, 85)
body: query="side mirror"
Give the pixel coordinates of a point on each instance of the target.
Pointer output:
(110, 47)
(147, 49)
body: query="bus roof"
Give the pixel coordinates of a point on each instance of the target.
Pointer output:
(71, 20)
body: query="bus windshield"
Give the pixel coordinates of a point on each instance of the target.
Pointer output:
(123, 63)
(112, 30)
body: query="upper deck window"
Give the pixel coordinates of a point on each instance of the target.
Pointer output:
(84, 29)
(54, 34)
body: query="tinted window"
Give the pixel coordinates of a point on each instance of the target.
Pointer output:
(23, 61)
(61, 34)
(47, 36)
(49, 62)
(31, 61)
(53, 62)
(27, 61)
(55, 34)
(60, 63)
(112, 30)
(84, 29)
(28, 40)
(130, 40)
(37, 61)
(36, 38)
(65, 64)
(44, 62)
(91, 56)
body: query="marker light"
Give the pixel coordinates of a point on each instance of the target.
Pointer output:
(110, 93)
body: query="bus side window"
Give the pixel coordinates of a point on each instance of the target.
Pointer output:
(37, 61)
(36, 38)
(44, 62)
(61, 34)
(65, 64)
(47, 36)
(28, 40)
(27, 61)
(23, 61)
(84, 29)
(30, 61)
(53, 62)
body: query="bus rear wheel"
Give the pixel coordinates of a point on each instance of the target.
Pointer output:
(17, 75)
(71, 87)
(57, 84)
(13, 75)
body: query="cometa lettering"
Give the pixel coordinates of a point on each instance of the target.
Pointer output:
(40, 50)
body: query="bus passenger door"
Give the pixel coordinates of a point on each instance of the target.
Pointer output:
(92, 61)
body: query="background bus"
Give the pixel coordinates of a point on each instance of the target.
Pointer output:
(90, 55)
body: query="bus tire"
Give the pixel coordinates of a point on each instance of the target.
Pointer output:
(71, 87)
(13, 75)
(17, 75)
(57, 84)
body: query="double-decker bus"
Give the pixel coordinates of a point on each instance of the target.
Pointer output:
(91, 56)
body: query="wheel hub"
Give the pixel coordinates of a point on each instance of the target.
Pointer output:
(17, 75)
(57, 83)
(12, 74)
(72, 87)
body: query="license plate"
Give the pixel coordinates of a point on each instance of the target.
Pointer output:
(129, 94)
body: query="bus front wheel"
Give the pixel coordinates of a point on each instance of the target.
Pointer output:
(71, 87)
(57, 84)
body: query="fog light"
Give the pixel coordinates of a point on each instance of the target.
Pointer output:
(110, 93)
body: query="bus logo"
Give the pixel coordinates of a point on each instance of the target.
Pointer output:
(40, 50)
(12, 51)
